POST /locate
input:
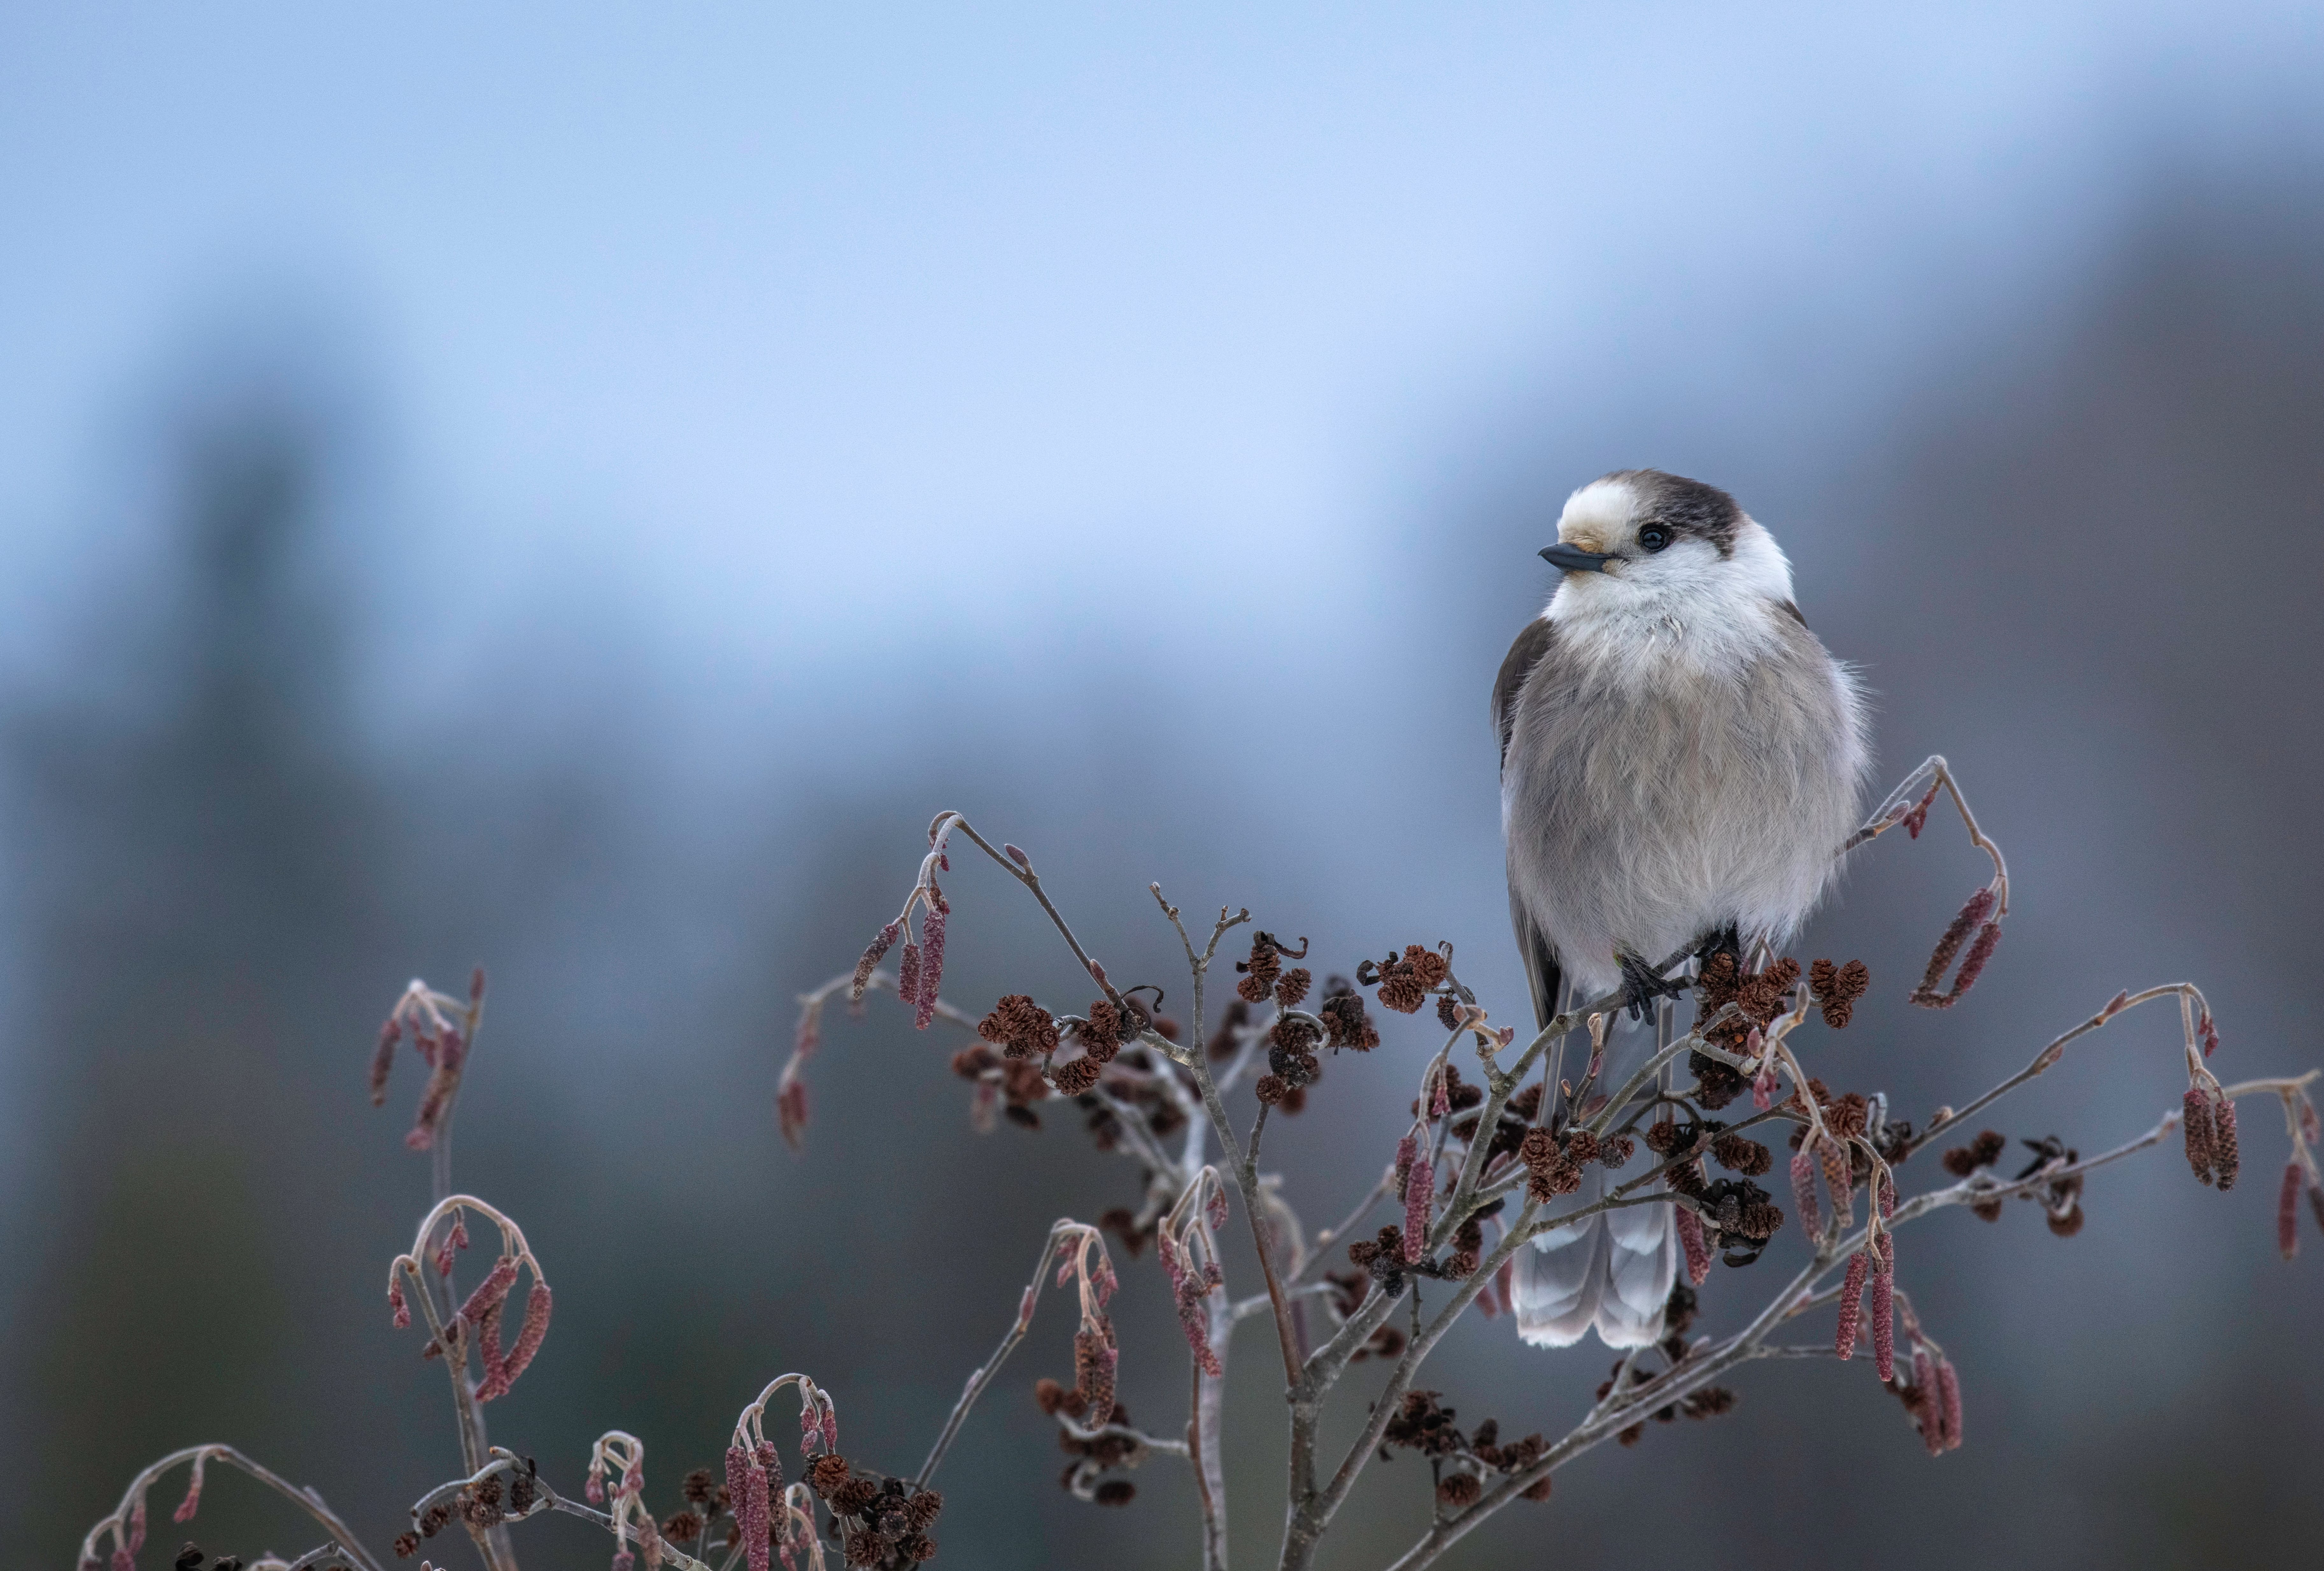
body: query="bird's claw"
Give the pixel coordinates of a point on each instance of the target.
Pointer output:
(1642, 985)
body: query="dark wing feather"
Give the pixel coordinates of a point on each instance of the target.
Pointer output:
(1516, 666)
(1541, 970)
(1543, 973)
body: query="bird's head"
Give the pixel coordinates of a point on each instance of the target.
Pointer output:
(1639, 538)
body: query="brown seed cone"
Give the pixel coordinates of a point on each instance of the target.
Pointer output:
(1402, 992)
(1538, 1150)
(1075, 1077)
(1737, 1154)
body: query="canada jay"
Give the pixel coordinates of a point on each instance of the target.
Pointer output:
(1679, 762)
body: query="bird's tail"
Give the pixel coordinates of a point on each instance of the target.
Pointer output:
(1612, 1271)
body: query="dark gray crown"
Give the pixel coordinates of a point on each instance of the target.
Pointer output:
(1684, 506)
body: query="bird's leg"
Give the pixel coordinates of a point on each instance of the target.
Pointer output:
(1642, 985)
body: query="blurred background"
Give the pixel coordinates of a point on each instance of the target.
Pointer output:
(578, 489)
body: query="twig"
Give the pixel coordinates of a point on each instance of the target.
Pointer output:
(1062, 1227)
(1900, 806)
(2050, 1054)
(305, 1499)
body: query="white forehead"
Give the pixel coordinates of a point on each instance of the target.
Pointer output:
(1603, 508)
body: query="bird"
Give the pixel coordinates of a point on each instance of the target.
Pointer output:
(1681, 762)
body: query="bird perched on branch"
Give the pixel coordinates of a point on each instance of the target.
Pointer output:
(1679, 762)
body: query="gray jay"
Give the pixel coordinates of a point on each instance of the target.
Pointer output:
(1679, 762)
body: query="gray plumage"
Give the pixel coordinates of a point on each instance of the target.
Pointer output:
(1680, 758)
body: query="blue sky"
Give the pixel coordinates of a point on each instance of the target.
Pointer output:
(782, 340)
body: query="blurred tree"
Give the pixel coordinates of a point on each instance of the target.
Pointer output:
(197, 854)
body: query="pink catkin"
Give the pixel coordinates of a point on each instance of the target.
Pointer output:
(124, 1561)
(439, 1094)
(491, 1291)
(137, 1526)
(1931, 1414)
(1883, 1315)
(1917, 819)
(1989, 939)
(1949, 1390)
(1189, 1291)
(746, 1487)
(908, 976)
(488, 1345)
(193, 1500)
(1691, 1239)
(1948, 946)
(1804, 1192)
(529, 1338)
(397, 1311)
(2196, 1108)
(872, 955)
(2287, 1210)
(2226, 1154)
(1838, 1178)
(1419, 1180)
(932, 942)
(790, 1113)
(1851, 1305)
(382, 1058)
(2209, 1033)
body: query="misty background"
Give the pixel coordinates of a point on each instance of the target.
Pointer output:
(578, 489)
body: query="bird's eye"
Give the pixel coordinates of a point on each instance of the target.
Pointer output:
(1653, 536)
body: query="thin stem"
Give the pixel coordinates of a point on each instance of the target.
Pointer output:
(992, 1366)
(1205, 1435)
(305, 1499)
(1024, 873)
(2047, 1057)
(1894, 811)
(1245, 1175)
(1317, 1258)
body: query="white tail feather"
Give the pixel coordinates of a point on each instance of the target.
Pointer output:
(1612, 1273)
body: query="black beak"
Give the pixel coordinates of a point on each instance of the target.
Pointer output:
(1574, 559)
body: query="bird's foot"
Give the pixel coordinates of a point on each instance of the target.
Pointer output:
(1642, 985)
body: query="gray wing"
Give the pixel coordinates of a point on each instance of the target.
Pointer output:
(1541, 970)
(1611, 1272)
